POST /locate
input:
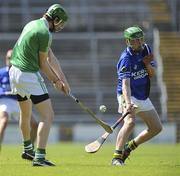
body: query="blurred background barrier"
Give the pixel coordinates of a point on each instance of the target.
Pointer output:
(88, 49)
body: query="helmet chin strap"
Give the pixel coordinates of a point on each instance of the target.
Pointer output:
(52, 28)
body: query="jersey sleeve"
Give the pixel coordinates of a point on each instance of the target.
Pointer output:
(124, 68)
(44, 41)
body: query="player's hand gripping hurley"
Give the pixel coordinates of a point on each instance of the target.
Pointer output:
(96, 145)
(107, 128)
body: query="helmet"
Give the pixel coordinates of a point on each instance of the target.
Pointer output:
(57, 11)
(133, 33)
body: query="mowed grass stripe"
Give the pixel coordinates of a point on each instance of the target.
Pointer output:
(71, 160)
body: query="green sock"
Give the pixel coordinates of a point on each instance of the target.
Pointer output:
(40, 154)
(28, 147)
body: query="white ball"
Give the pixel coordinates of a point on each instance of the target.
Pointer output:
(102, 108)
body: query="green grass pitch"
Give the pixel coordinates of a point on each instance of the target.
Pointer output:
(71, 160)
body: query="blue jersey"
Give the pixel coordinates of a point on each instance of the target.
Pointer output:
(4, 83)
(130, 65)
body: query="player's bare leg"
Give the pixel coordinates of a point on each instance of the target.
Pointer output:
(125, 131)
(25, 118)
(46, 116)
(24, 124)
(153, 123)
(34, 126)
(122, 137)
(3, 125)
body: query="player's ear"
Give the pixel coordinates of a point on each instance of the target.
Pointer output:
(127, 42)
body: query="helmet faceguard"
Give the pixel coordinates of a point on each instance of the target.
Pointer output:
(58, 15)
(134, 37)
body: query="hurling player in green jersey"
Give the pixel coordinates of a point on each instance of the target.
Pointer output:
(32, 53)
(9, 107)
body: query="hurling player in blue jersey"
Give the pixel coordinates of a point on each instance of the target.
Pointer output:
(9, 108)
(135, 68)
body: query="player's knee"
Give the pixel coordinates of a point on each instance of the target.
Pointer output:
(159, 128)
(130, 123)
(156, 129)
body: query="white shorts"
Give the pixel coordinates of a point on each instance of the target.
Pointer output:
(26, 83)
(142, 105)
(10, 106)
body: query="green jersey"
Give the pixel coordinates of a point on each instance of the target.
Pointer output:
(35, 37)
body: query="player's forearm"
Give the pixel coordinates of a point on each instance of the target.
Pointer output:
(55, 66)
(45, 68)
(126, 91)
